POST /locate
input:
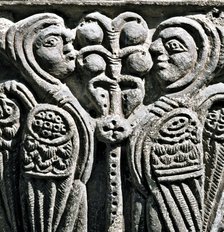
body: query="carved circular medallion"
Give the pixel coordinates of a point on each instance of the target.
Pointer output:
(113, 129)
(50, 124)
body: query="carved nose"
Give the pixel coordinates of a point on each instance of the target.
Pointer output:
(162, 58)
(157, 47)
(68, 48)
(69, 51)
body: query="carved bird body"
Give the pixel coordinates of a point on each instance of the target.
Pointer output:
(172, 155)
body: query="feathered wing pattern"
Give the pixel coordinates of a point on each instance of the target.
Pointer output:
(169, 154)
(176, 167)
(10, 123)
(9, 120)
(76, 208)
(213, 140)
(178, 197)
(47, 187)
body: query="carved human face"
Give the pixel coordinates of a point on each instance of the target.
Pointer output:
(174, 53)
(54, 51)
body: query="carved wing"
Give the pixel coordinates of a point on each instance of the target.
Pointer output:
(10, 125)
(168, 156)
(49, 153)
(213, 141)
(173, 159)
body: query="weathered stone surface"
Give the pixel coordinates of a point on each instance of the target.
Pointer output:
(111, 116)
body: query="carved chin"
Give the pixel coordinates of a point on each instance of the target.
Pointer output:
(62, 71)
(166, 77)
(171, 79)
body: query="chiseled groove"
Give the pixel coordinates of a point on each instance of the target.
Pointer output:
(49, 203)
(157, 111)
(169, 101)
(31, 204)
(199, 194)
(164, 211)
(177, 218)
(60, 200)
(3, 187)
(163, 105)
(193, 206)
(39, 206)
(10, 188)
(183, 206)
(214, 186)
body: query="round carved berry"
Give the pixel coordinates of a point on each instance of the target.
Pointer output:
(89, 33)
(133, 33)
(139, 63)
(94, 63)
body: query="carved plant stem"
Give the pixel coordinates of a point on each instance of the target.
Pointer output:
(115, 220)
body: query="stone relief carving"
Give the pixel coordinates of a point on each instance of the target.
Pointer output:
(110, 126)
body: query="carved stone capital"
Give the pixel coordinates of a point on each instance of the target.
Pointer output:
(111, 120)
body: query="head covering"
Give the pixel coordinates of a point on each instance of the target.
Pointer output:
(19, 42)
(208, 45)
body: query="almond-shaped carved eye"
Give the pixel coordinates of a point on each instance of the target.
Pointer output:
(175, 46)
(51, 41)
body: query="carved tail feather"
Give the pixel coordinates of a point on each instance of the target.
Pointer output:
(76, 207)
(162, 207)
(7, 191)
(43, 202)
(215, 186)
(181, 205)
(214, 165)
